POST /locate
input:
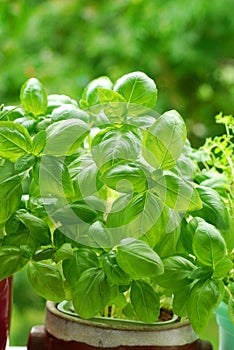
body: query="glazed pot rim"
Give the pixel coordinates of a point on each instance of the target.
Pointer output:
(104, 322)
(66, 308)
(108, 335)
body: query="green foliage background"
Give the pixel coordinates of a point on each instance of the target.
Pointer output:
(185, 46)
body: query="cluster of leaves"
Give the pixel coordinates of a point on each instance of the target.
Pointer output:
(216, 161)
(215, 164)
(187, 48)
(98, 200)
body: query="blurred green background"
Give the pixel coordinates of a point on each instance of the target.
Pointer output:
(185, 46)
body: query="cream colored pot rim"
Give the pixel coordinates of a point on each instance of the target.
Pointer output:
(65, 307)
(69, 328)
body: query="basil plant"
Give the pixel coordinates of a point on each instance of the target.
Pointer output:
(99, 202)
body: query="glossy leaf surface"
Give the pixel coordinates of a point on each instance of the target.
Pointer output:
(91, 293)
(205, 296)
(46, 280)
(137, 88)
(145, 301)
(164, 140)
(33, 97)
(15, 141)
(138, 260)
(208, 244)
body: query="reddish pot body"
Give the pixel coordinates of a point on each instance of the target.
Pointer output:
(5, 310)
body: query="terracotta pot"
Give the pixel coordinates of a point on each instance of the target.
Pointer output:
(63, 331)
(5, 310)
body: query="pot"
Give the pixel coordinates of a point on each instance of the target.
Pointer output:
(5, 310)
(226, 327)
(65, 331)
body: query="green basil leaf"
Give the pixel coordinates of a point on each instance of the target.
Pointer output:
(159, 227)
(69, 111)
(21, 238)
(65, 137)
(222, 267)
(55, 180)
(46, 280)
(37, 227)
(203, 272)
(74, 213)
(85, 175)
(15, 141)
(147, 213)
(7, 170)
(208, 244)
(187, 233)
(77, 231)
(137, 215)
(43, 123)
(117, 298)
(185, 167)
(143, 121)
(109, 96)
(213, 208)
(114, 105)
(56, 100)
(90, 293)
(10, 195)
(163, 142)
(180, 301)
(64, 252)
(33, 97)
(90, 95)
(24, 163)
(11, 112)
(125, 177)
(39, 142)
(137, 259)
(205, 296)
(27, 122)
(113, 272)
(118, 216)
(137, 88)
(129, 312)
(178, 193)
(177, 271)
(113, 145)
(83, 260)
(145, 301)
(99, 236)
(12, 260)
(168, 242)
(43, 254)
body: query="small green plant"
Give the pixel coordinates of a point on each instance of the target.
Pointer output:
(216, 161)
(215, 169)
(100, 200)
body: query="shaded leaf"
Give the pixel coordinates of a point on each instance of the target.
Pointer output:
(90, 293)
(145, 301)
(163, 142)
(33, 97)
